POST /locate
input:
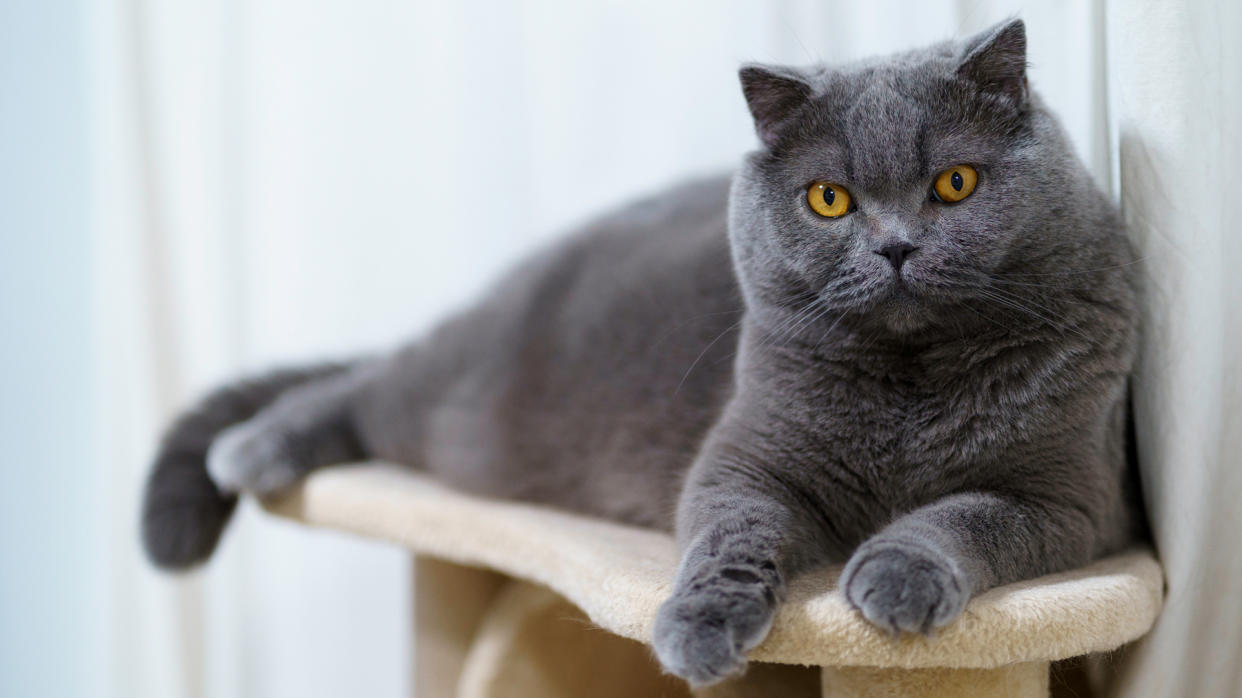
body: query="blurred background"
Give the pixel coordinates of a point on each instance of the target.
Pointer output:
(192, 189)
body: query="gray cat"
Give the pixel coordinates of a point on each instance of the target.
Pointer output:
(898, 337)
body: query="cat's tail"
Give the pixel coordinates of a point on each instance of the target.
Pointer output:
(183, 512)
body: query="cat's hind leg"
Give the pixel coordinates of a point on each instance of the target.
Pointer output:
(308, 427)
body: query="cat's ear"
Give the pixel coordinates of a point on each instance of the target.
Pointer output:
(774, 95)
(996, 61)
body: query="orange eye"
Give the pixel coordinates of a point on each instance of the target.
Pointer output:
(828, 200)
(955, 183)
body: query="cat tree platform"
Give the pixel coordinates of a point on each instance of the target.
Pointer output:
(518, 600)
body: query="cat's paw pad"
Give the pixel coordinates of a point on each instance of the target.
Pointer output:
(703, 632)
(251, 457)
(902, 588)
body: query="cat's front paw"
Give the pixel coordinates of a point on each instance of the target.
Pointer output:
(251, 457)
(904, 587)
(703, 631)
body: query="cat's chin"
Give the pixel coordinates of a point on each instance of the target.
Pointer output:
(905, 319)
(902, 312)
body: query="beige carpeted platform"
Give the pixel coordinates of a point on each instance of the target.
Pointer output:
(618, 576)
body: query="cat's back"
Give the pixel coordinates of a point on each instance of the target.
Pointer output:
(588, 377)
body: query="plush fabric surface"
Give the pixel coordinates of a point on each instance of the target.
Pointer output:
(618, 576)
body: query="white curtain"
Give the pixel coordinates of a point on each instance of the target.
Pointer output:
(277, 181)
(1176, 97)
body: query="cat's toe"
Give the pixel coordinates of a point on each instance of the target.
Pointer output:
(904, 589)
(703, 635)
(248, 457)
(697, 652)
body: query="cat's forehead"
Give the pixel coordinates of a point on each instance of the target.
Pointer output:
(889, 87)
(884, 131)
(890, 121)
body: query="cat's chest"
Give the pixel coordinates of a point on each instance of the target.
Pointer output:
(897, 434)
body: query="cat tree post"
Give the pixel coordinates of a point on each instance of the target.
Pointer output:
(450, 603)
(580, 621)
(1023, 680)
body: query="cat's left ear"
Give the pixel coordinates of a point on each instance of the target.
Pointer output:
(996, 61)
(774, 96)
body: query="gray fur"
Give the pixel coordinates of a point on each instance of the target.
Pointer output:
(722, 362)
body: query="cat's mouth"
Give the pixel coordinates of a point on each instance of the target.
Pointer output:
(897, 286)
(901, 288)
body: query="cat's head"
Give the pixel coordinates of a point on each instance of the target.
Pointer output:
(894, 190)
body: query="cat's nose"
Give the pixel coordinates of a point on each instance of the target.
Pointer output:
(896, 251)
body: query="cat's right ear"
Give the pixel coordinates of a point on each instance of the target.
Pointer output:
(996, 61)
(774, 95)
